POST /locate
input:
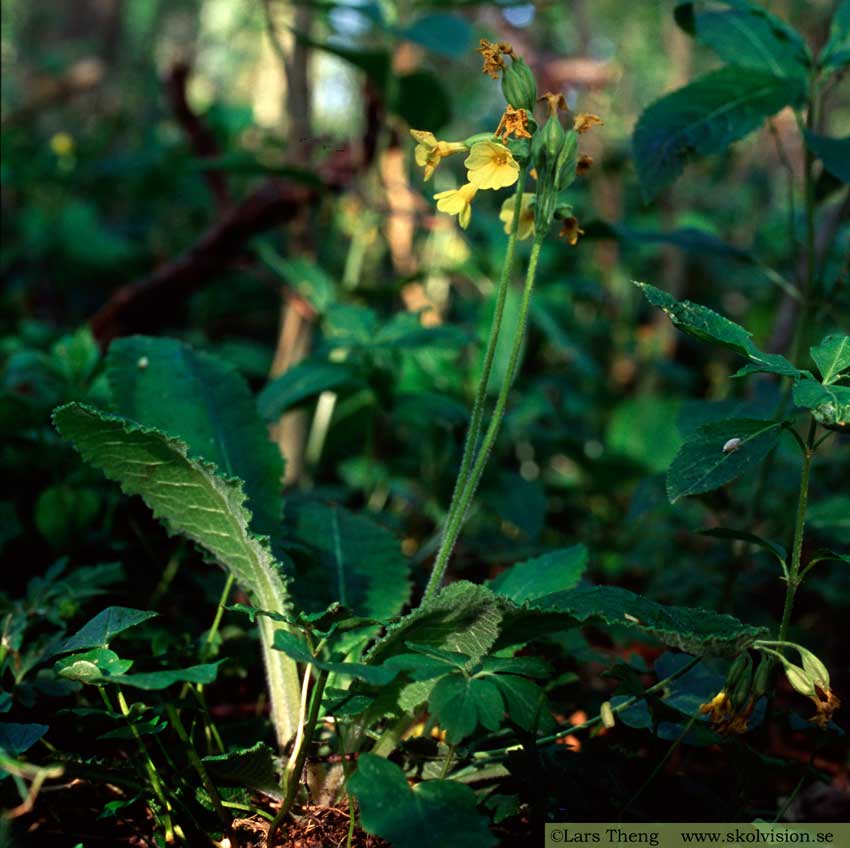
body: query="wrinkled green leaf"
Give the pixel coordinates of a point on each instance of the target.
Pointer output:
(203, 401)
(710, 459)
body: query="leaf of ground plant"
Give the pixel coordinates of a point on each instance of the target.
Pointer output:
(203, 401)
(745, 34)
(708, 326)
(203, 674)
(192, 499)
(710, 458)
(91, 665)
(526, 702)
(696, 631)
(100, 631)
(304, 381)
(459, 704)
(252, 767)
(702, 118)
(832, 355)
(17, 738)
(552, 572)
(463, 617)
(352, 560)
(434, 812)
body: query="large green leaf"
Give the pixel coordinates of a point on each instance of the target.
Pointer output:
(460, 703)
(832, 356)
(552, 572)
(201, 400)
(352, 560)
(193, 500)
(107, 624)
(720, 452)
(463, 617)
(744, 34)
(707, 325)
(696, 631)
(434, 812)
(703, 118)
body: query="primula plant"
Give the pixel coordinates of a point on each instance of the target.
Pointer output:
(416, 644)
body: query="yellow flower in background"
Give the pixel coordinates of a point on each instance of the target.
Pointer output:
(62, 144)
(491, 165)
(430, 151)
(526, 215)
(570, 230)
(457, 201)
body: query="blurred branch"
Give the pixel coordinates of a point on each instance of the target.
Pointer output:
(200, 136)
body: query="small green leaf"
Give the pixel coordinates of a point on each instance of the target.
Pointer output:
(91, 665)
(726, 533)
(17, 738)
(552, 572)
(718, 453)
(304, 381)
(832, 355)
(107, 624)
(704, 118)
(459, 704)
(434, 812)
(203, 674)
(830, 405)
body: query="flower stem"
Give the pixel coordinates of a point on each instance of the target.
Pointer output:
(799, 528)
(468, 486)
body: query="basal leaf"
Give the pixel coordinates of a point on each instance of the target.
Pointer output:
(696, 631)
(352, 560)
(832, 355)
(253, 768)
(703, 118)
(203, 401)
(463, 617)
(100, 631)
(706, 324)
(745, 34)
(718, 453)
(460, 703)
(193, 500)
(552, 572)
(203, 674)
(434, 812)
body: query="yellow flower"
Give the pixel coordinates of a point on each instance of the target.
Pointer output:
(430, 151)
(458, 202)
(491, 165)
(723, 715)
(526, 215)
(62, 144)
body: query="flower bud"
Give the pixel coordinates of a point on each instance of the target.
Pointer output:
(607, 714)
(518, 85)
(565, 164)
(547, 145)
(737, 670)
(814, 668)
(799, 680)
(762, 677)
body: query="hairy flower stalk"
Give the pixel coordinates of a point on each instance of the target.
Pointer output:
(494, 162)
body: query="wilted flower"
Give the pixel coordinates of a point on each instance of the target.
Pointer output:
(430, 151)
(492, 53)
(826, 703)
(585, 121)
(583, 164)
(491, 165)
(570, 230)
(554, 102)
(514, 122)
(458, 202)
(526, 215)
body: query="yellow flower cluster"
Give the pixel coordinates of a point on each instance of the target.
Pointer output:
(489, 165)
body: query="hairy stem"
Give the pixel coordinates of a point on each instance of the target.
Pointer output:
(458, 516)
